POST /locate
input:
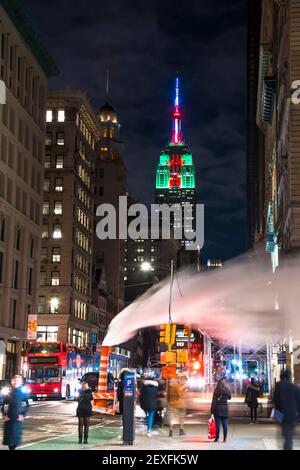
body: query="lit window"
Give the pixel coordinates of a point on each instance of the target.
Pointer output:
(59, 161)
(57, 231)
(58, 207)
(61, 115)
(60, 138)
(56, 255)
(49, 115)
(55, 278)
(46, 207)
(59, 185)
(54, 303)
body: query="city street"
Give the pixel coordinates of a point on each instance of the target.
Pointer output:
(52, 425)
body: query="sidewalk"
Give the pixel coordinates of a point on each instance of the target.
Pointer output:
(241, 436)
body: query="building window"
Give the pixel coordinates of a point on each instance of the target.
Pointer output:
(1, 265)
(59, 161)
(60, 138)
(55, 278)
(77, 338)
(47, 185)
(30, 281)
(47, 162)
(54, 304)
(57, 231)
(101, 172)
(16, 274)
(44, 254)
(43, 278)
(61, 115)
(58, 207)
(47, 333)
(18, 239)
(48, 138)
(2, 229)
(45, 231)
(56, 255)
(46, 208)
(42, 304)
(59, 185)
(49, 115)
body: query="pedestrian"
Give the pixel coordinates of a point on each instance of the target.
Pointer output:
(161, 404)
(120, 389)
(219, 408)
(148, 402)
(251, 398)
(84, 411)
(287, 402)
(177, 404)
(14, 409)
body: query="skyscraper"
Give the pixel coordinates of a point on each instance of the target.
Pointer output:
(25, 67)
(110, 183)
(175, 173)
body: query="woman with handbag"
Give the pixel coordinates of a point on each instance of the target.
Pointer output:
(219, 408)
(251, 398)
(84, 412)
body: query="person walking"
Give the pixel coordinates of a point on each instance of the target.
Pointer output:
(14, 409)
(251, 398)
(84, 412)
(219, 408)
(177, 405)
(148, 402)
(287, 401)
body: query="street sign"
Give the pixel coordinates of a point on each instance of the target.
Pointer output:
(182, 356)
(168, 372)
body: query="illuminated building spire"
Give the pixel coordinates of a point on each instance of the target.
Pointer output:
(176, 116)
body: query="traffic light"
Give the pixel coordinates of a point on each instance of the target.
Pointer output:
(167, 334)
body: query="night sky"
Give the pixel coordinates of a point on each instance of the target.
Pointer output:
(143, 44)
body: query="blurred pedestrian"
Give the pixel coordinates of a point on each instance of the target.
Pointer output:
(161, 403)
(287, 402)
(219, 408)
(120, 389)
(251, 398)
(177, 404)
(148, 402)
(84, 412)
(14, 409)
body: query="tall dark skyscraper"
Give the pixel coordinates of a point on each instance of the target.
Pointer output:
(254, 163)
(175, 172)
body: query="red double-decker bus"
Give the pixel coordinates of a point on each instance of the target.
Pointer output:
(52, 370)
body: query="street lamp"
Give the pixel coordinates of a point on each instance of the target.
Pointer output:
(146, 266)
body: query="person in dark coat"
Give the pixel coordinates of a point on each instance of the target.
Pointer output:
(219, 408)
(251, 398)
(148, 402)
(287, 401)
(14, 409)
(120, 389)
(84, 412)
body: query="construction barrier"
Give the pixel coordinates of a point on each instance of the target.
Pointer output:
(104, 400)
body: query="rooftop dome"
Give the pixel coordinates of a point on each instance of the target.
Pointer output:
(107, 113)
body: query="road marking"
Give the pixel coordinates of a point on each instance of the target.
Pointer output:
(65, 435)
